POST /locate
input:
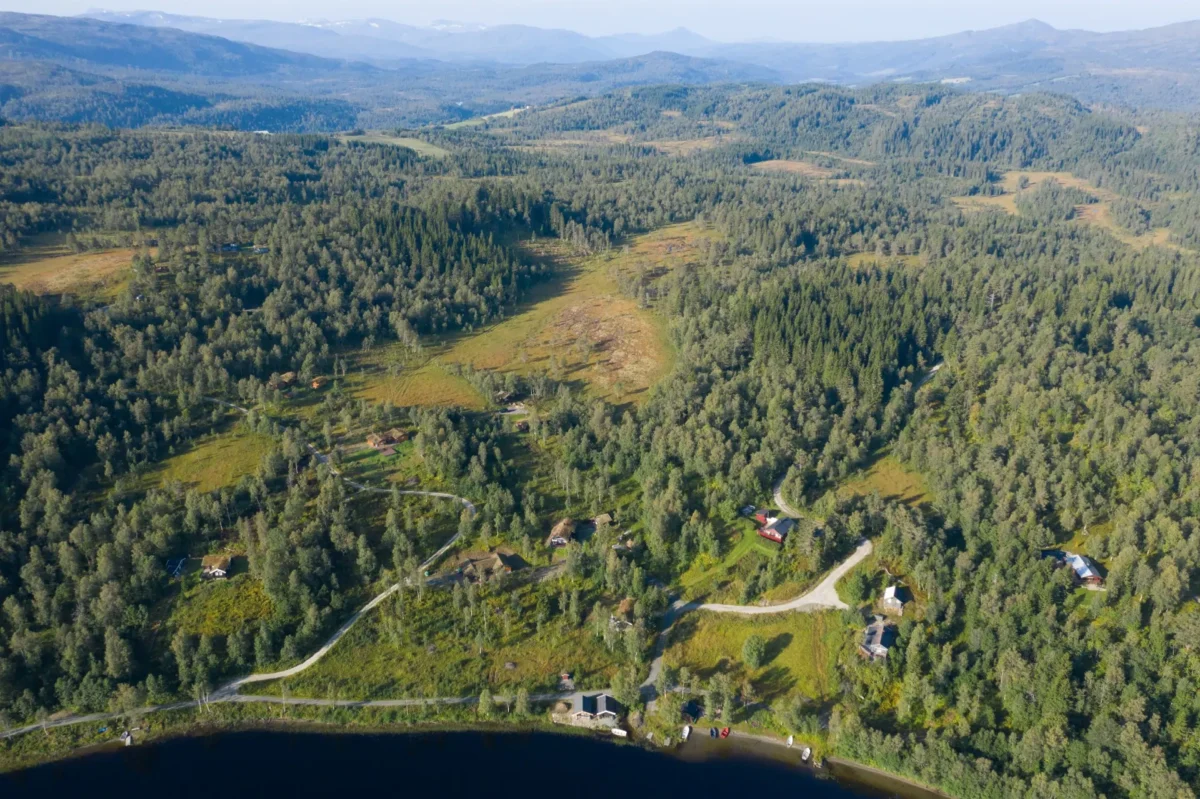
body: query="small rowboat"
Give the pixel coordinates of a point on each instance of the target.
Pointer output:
(725, 732)
(687, 731)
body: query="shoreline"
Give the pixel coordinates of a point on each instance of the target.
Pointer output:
(191, 723)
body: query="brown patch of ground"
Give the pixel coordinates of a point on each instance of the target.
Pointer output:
(804, 168)
(49, 267)
(686, 146)
(843, 158)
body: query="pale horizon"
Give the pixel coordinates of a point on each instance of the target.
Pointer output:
(720, 20)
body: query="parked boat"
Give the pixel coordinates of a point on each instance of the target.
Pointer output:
(805, 754)
(712, 732)
(790, 740)
(725, 732)
(687, 732)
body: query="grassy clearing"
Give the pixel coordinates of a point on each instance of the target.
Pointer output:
(47, 266)
(707, 575)
(1098, 214)
(577, 325)
(212, 462)
(430, 656)
(421, 147)
(844, 159)
(892, 481)
(803, 168)
(860, 260)
(802, 649)
(687, 146)
(221, 607)
(475, 121)
(425, 384)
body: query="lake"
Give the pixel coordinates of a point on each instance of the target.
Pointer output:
(263, 763)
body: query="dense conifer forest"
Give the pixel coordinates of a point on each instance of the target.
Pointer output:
(803, 335)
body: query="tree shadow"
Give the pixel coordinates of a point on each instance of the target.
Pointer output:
(776, 646)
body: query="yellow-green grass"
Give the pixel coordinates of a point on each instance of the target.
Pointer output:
(688, 146)
(842, 158)
(474, 121)
(1082, 541)
(420, 146)
(803, 168)
(421, 384)
(213, 462)
(1098, 214)
(221, 607)
(708, 574)
(802, 650)
(45, 265)
(367, 465)
(859, 260)
(432, 657)
(887, 477)
(576, 325)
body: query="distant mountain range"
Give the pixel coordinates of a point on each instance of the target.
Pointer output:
(384, 72)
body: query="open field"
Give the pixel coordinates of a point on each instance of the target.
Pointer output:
(213, 462)
(422, 148)
(577, 325)
(859, 260)
(891, 480)
(474, 121)
(427, 654)
(686, 146)
(48, 266)
(803, 168)
(423, 384)
(221, 607)
(802, 649)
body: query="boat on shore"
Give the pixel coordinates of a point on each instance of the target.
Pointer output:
(687, 731)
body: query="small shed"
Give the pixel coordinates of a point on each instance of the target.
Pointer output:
(603, 520)
(317, 382)
(894, 599)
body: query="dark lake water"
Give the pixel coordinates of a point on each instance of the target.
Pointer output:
(450, 764)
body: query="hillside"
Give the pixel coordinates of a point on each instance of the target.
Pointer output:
(103, 44)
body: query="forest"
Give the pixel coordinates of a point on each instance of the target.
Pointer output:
(1043, 253)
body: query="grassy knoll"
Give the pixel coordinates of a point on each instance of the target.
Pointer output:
(802, 649)
(212, 462)
(421, 651)
(421, 147)
(891, 480)
(47, 266)
(220, 607)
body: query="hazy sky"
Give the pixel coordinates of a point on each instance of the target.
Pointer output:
(727, 20)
